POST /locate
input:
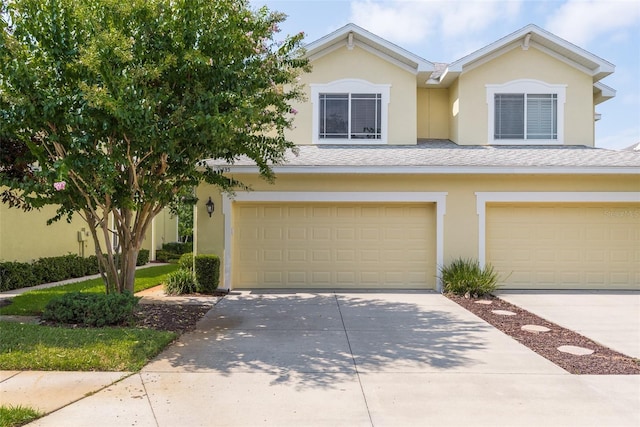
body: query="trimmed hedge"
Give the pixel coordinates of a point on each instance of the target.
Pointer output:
(207, 271)
(15, 275)
(178, 248)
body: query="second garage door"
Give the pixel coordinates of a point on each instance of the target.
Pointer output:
(325, 245)
(568, 246)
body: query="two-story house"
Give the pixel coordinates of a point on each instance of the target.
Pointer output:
(405, 164)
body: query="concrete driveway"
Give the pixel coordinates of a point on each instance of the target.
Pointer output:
(608, 317)
(352, 359)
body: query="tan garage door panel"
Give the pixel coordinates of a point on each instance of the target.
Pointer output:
(592, 246)
(344, 245)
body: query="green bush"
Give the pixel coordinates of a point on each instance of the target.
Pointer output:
(52, 269)
(186, 261)
(164, 256)
(207, 271)
(89, 309)
(15, 275)
(465, 277)
(143, 257)
(91, 265)
(178, 248)
(180, 282)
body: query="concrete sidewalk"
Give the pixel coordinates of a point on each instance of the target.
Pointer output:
(361, 358)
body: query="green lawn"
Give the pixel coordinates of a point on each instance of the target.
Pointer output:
(32, 303)
(11, 416)
(47, 348)
(36, 347)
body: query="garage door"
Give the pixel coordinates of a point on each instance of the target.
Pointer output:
(585, 246)
(328, 245)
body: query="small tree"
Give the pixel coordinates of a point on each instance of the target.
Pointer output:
(113, 104)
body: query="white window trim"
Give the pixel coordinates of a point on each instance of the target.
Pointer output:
(350, 86)
(526, 86)
(482, 198)
(439, 198)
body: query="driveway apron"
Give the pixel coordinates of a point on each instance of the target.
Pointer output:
(351, 359)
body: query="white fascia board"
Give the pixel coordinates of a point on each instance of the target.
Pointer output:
(606, 92)
(604, 67)
(446, 170)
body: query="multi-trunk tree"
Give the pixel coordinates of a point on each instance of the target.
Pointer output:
(108, 107)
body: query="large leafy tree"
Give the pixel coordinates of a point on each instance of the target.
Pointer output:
(107, 107)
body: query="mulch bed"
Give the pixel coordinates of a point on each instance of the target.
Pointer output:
(603, 361)
(178, 318)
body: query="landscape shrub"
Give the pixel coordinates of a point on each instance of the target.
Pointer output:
(465, 277)
(143, 257)
(186, 261)
(181, 281)
(178, 248)
(89, 309)
(15, 275)
(51, 269)
(207, 271)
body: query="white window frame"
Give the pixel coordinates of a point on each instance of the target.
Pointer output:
(526, 87)
(350, 86)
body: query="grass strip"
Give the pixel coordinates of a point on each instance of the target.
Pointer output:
(47, 348)
(32, 303)
(13, 416)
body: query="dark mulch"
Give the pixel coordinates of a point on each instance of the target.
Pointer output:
(178, 318)
(603, 361)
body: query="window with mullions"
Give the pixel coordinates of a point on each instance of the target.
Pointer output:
(350, 116)
(525, 116)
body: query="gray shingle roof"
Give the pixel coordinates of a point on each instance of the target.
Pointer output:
(446, 154)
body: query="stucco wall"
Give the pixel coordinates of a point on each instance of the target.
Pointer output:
(25, 236)
(460, 221)
(530, 64)
(433, 113)
(360, 64)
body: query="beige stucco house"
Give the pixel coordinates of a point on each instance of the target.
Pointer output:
(405, 164)
(26, 237)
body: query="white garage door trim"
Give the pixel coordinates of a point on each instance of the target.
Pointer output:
(482, 198)
(439, 198)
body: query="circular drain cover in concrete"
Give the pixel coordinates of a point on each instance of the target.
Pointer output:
(572, 349)
(503, 312)
(483, 301)
(535, 328)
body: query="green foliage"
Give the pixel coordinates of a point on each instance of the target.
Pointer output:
(32, 303)
(119, 102)
(207, 271)
(178, 248)
(180, 282)
(14, 416)
(464, 276)
(143, 257)
(186, 261)
(90, 309)
(15, 275)
(47, 348)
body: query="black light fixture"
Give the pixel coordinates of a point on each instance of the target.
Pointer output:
(210, 207)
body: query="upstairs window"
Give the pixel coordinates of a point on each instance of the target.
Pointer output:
(526, 116)
(350, 111)
(350, 116)
(526, 112)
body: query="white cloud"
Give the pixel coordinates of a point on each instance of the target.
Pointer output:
(455, 25)
(581, 21)
(619, 140)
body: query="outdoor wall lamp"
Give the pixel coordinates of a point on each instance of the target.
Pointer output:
(210, 207)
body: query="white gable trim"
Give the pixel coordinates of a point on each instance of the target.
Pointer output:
(439, 198)
(482, 198)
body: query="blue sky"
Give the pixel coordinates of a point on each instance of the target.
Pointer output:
(444, 31)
